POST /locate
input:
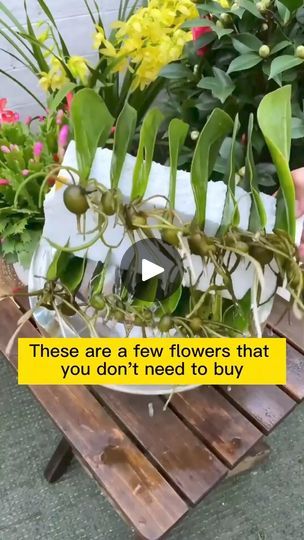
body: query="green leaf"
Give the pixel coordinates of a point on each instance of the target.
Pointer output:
(177, 132)
(61, 259)
(124, 133)
(258, 216)
(230, 208)
(58, 98)
(297, 128)
(48, 13)
(245, 43)
(35, 43)
(220, 85)
(170, 304)
(245, 61)
(274, 118)
(148, 134)
(279, 47)
(25, 88)
(251, 7)
(71, 274)
(283, 63)
(218, 125)
(292, 5)
(176, 71)
(238, 315)
(92, 123)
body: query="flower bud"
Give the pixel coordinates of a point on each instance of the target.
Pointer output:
(5, 149)
(264, 51)
(300, 52)
(37, 150)
(4, 182)
(194, 135)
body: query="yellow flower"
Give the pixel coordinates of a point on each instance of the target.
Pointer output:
(56, 78)
(224, 3)
(79, 68)
(44, 36)
(98, 37)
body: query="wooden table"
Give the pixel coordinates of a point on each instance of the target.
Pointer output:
(154, 468)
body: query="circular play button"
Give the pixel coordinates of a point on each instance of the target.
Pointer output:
(151, 270)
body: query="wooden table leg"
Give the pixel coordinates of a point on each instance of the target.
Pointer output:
(59, 461)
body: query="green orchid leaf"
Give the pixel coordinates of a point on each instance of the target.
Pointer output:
(245, 61)
(176, 71)
(258, 216)
(59, 263)
(124, 133)
(220, 85)
(283, 63)
(99, 275)
(92, 123)
(58, 98)
(71, 275)
(177, 132)
(230, 207)
(218, 125)
(148, 134)
(274, 118)
(170, 304)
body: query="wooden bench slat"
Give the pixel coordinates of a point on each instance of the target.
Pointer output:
(132, 483)
(295, 374)
(265, 405)
(217, 422)
(283, 322)
(182, 457)
(295, 369)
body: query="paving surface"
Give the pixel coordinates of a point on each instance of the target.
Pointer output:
(266, 504)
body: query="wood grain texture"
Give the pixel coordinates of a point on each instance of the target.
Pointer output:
(284, 323)
(135, 487)
(226, 431)
(265, 405)
(180, 455)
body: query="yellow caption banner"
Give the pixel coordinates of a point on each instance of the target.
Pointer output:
(177, 361)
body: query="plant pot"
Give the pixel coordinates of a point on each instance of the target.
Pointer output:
(9, 279)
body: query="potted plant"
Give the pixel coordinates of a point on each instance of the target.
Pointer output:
(237, 244)
(27, 150)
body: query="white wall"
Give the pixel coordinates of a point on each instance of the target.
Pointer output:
(77, 27)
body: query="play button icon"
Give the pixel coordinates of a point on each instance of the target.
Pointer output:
(151, 270)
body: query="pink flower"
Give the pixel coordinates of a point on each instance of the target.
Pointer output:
(3, 103)
(14, 148)
(25, 172)
(197, 33)
(28, 120)
(41, 118)
(59, 117)
(63, 136)
(37, 150)
(4, 182)
(5, 149)
(9, 117)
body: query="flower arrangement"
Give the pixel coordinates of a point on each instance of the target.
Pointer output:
(141, 43)
(25, 154)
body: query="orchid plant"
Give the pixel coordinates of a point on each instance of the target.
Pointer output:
(142, 42)
(197, 308)
(26, 151)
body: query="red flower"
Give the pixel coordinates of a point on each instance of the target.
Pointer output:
(198, 32)
(69, 99)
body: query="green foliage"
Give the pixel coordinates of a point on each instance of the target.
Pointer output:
(92, 123)
(124, 133)
(251, 51)
(21, 218)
